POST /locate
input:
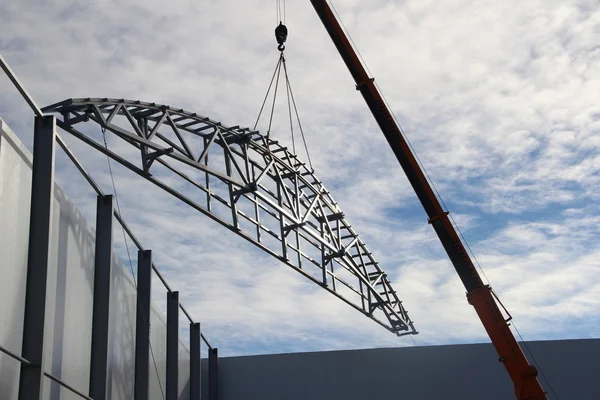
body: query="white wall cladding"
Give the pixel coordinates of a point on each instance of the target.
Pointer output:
(15, 193)
(184, 370)
(69, 294)
(69, 299)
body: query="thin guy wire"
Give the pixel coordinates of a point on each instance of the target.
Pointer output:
(274, 98)
(350, 37)
(129, 256)
(466, 243)
(409, 143)
(430, 180)
(297, 116)
(118, 206)
(290, 92)
(287, 89)
(267, 95)
(534, 360)
(387, 104)
(279, 10)
(469, 247)
(432, 183)
(461, 234)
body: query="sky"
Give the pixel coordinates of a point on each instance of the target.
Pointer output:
(500, 100)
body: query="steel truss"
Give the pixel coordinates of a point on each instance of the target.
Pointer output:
(253, 186)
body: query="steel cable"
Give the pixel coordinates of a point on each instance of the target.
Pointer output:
(146, 323)
(428, 177)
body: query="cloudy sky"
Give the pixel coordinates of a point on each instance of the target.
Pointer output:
(501, 101)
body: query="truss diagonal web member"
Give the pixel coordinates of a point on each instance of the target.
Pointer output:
(249, 184)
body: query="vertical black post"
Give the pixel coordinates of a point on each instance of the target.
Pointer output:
(195, 361)
(142, 325)
(102, 275)
(172, 346)
(213, 374)
(42, 197)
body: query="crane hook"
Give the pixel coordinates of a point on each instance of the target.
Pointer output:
(281, 33)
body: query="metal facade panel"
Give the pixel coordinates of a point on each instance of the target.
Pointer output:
(70, 291)
(184, 371)
(15, 196)
(158, 341)
(121, 348)
(466, 372)
(68, 332)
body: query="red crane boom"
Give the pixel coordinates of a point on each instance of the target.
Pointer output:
(479, 295)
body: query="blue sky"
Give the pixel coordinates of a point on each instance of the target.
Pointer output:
(500, 100)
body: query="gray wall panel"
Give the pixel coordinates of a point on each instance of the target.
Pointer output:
(69, 298)
(69, 295)
(184, 371)
(122, 335)
(466, 372)
(15, 196)
(158, 339)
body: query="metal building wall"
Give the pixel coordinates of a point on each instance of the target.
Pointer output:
(69, 294)
(465, 372)
(15, 192)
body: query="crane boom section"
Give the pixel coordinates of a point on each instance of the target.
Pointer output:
(523, 375)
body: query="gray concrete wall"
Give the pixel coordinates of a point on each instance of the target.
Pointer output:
(69, 295)
(465, 372)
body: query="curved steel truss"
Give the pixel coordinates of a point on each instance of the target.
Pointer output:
(250, 184)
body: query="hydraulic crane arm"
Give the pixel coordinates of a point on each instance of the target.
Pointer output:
(523, 375)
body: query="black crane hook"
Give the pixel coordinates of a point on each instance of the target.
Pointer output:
(281, 33)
